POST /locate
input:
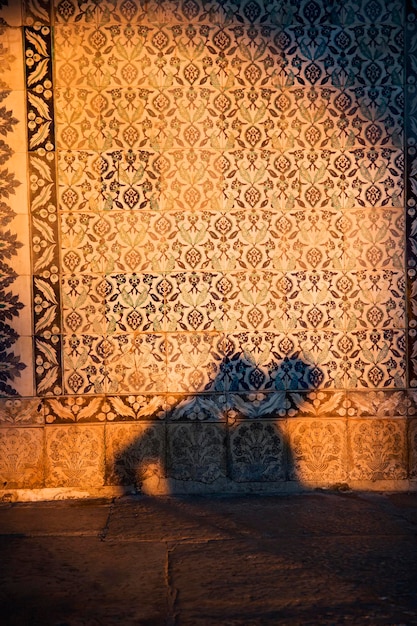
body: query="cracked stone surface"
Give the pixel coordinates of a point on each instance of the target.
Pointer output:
(316, 558)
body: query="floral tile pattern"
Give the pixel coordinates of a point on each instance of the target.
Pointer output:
(75, 456)
(378, 449)
(257, 452)
(134, 453)
(318, 450)
(196, 452)
(208, 252)
(22, 458)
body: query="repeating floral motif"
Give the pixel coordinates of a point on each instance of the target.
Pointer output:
(75, 456)
(411, 169)
(43, 201)
(257, 451)
(134, 453)
(318, 450)
(22, 458)
(196, 452)
(21, 412)
(222, 198)
(378, 450)
(11, 362)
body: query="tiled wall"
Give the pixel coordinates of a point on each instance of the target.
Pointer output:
(208, 245)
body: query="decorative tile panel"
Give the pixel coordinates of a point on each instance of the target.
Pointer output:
(22, 458)
(257, 452)
(377, 449)
(75, 456)
(134, 453)
(196, 452)
(204, 239)
(318, 450)
(412, 442)
(16, 355)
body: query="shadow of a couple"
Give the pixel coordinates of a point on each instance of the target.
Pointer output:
(229, 437)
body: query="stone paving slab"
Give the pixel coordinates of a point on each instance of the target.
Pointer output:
(81, 580)
(316, 558)
(54, 518)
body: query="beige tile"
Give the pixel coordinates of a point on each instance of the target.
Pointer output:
(20, 261)
(12, 13)
(377, 449)
(22, 289)
(134, 453)
(75, 456)
(21, 458)
(15, 103)
(318, 450)
(12, 59)
(21, 412)
(22, 366)
(17, 197)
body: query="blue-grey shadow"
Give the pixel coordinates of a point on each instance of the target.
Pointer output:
(230, 437)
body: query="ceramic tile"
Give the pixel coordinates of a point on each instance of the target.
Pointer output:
(146, 408)
(16, 309)
(78, 119)
(189, 180)
(84, 308)
(412, 441)
(13, 185)
(11, 14)
(196, 452)
(194, 301)
(257, 451)
(36, 11)
(22, 458)
(134, 453)
(135, 303)
(251, 300)
(17, 364)
(377, 449)
(115, 241)
(306, 240)
(48, 370)
(321, 360)
(201, 407)
(71, 409)
(21, 412)
(15, 243)
(373, 299)
(114, 364)
(113, 303)
(374, 239)
(11, 55)
(317, 404)
(256, 406)
(310, 300)
(318, 450)
(137, 182)
(366, 177)
(75, 456)
(377, 403)
(80, 179)
(195, 362)
(375, 358)
(12, 125)
(295, 361)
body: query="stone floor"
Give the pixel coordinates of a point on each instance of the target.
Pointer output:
(316, 558)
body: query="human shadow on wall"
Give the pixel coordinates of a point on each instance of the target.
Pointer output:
(231, 438)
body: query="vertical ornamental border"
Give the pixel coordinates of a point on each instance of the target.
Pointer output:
(43, 199)
(410, 121)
